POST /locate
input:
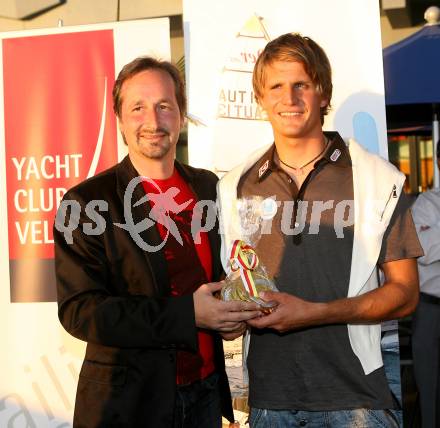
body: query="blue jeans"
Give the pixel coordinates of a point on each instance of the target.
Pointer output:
(391, 362)
(198, 404)
(359, 418)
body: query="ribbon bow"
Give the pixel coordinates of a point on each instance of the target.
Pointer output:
(245, 258)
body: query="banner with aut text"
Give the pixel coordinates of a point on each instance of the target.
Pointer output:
(58, 128)
(221, 49)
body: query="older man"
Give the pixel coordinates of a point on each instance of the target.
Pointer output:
(137, 285)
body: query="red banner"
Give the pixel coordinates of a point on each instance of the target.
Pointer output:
(59, 130)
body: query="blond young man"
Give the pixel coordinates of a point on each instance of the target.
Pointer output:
(315, 360)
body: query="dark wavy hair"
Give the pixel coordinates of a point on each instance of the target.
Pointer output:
(141, 64)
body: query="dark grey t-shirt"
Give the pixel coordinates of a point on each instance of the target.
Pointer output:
(315, 368)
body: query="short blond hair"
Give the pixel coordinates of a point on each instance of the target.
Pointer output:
(295, 48)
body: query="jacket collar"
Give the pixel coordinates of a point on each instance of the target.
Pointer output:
(203, 193)
(125, 172)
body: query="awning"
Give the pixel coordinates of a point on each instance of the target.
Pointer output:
(412, 80)
(412, 68)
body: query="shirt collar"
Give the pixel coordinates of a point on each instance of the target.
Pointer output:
(266, 164)
(337, 151)
(336, 154)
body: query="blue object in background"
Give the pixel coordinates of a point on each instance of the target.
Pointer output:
(365, 131)
(411, 68)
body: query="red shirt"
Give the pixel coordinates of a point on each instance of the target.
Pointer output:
(189, 264)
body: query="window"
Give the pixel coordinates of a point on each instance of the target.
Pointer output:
(413, 155)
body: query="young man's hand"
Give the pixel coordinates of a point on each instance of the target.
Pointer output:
(215, 314)
(290, 312)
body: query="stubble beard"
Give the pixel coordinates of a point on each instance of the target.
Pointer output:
(152, 150)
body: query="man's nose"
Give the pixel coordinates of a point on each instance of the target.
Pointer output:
(152, 118)
(290, 96)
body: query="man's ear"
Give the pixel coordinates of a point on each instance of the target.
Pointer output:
(260, 104)
(120, 125)
(324, 103)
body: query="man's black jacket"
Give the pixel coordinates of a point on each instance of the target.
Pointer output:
(116, 296)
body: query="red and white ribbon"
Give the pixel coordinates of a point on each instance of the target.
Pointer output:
(245, 258)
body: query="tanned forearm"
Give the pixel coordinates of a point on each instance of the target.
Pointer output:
(391, 301)
(397, 298)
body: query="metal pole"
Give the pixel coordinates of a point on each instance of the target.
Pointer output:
(435, 139)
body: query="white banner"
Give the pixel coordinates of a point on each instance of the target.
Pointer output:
(222, 41)
(57, 128)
